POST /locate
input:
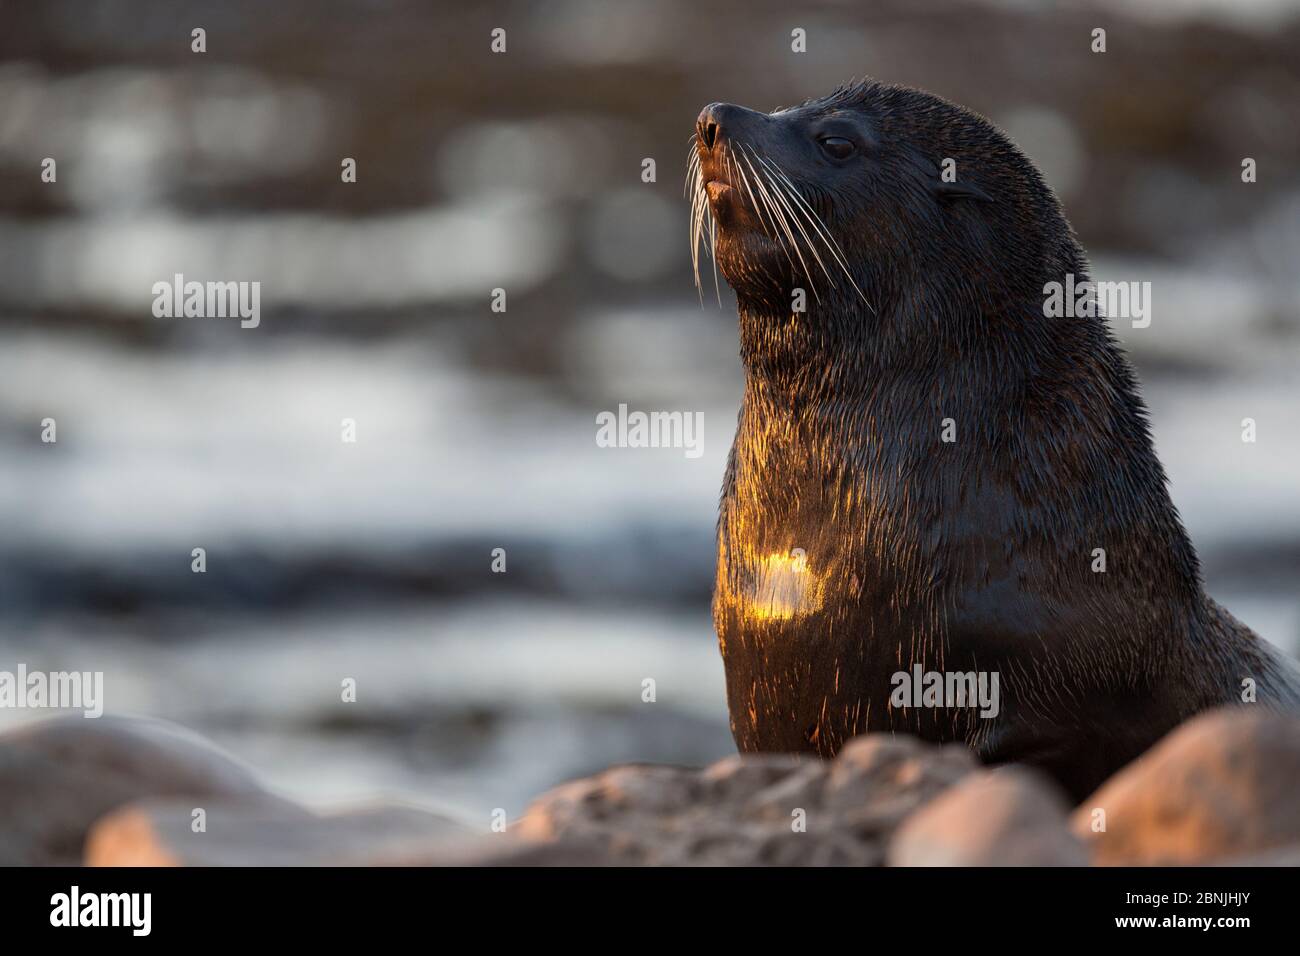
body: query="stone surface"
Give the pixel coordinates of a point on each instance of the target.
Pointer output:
(1011, 816)
(753, 809)
(161, 833)
(58, 776)
(1223, 785)
(1220, 790)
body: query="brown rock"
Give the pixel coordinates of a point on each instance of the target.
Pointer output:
(751, 809)
(741, 775)
(1222, 785)
(1011, 816)
(803, 788)
(58, 776)
(161, 833)
(879, 779)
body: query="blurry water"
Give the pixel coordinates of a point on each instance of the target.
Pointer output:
(371, 561)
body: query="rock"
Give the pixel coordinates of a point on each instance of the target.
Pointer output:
(1011, 816)
(741, 775)
(1222, 785)
(801, 788)
(160, 833)
(877, 779)
(752, 809)
(58, 776)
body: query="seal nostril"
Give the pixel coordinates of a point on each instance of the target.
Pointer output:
(707, 125)
(707, 131)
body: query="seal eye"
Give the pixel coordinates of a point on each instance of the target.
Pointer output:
(837, 147)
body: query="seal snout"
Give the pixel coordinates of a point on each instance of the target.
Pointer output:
(714, 133)
(717, 123)
(729, 161)
(707, 125)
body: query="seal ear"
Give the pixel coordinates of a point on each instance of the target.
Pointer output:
(946, 192)
(950, 192)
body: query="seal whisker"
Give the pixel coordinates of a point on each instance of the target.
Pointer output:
(772, 206)
(799, 225)
(744, 181)
(832, 245)
(695, 247)
(762, 202)
(764, 213)
(692, 173)
(788, 239)
(701, 218)
(763, 209)
(796, 214)
(713, 255)
(693, 177)
(763, 206)
(698, 211)
(816, 221)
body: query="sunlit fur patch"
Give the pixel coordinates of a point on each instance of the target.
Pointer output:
(784, 585)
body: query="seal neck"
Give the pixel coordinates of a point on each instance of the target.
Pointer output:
(843, 350)
(1047, 409)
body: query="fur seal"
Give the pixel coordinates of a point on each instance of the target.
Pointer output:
(882, 309)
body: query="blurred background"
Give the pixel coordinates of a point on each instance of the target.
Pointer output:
(475, 429)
